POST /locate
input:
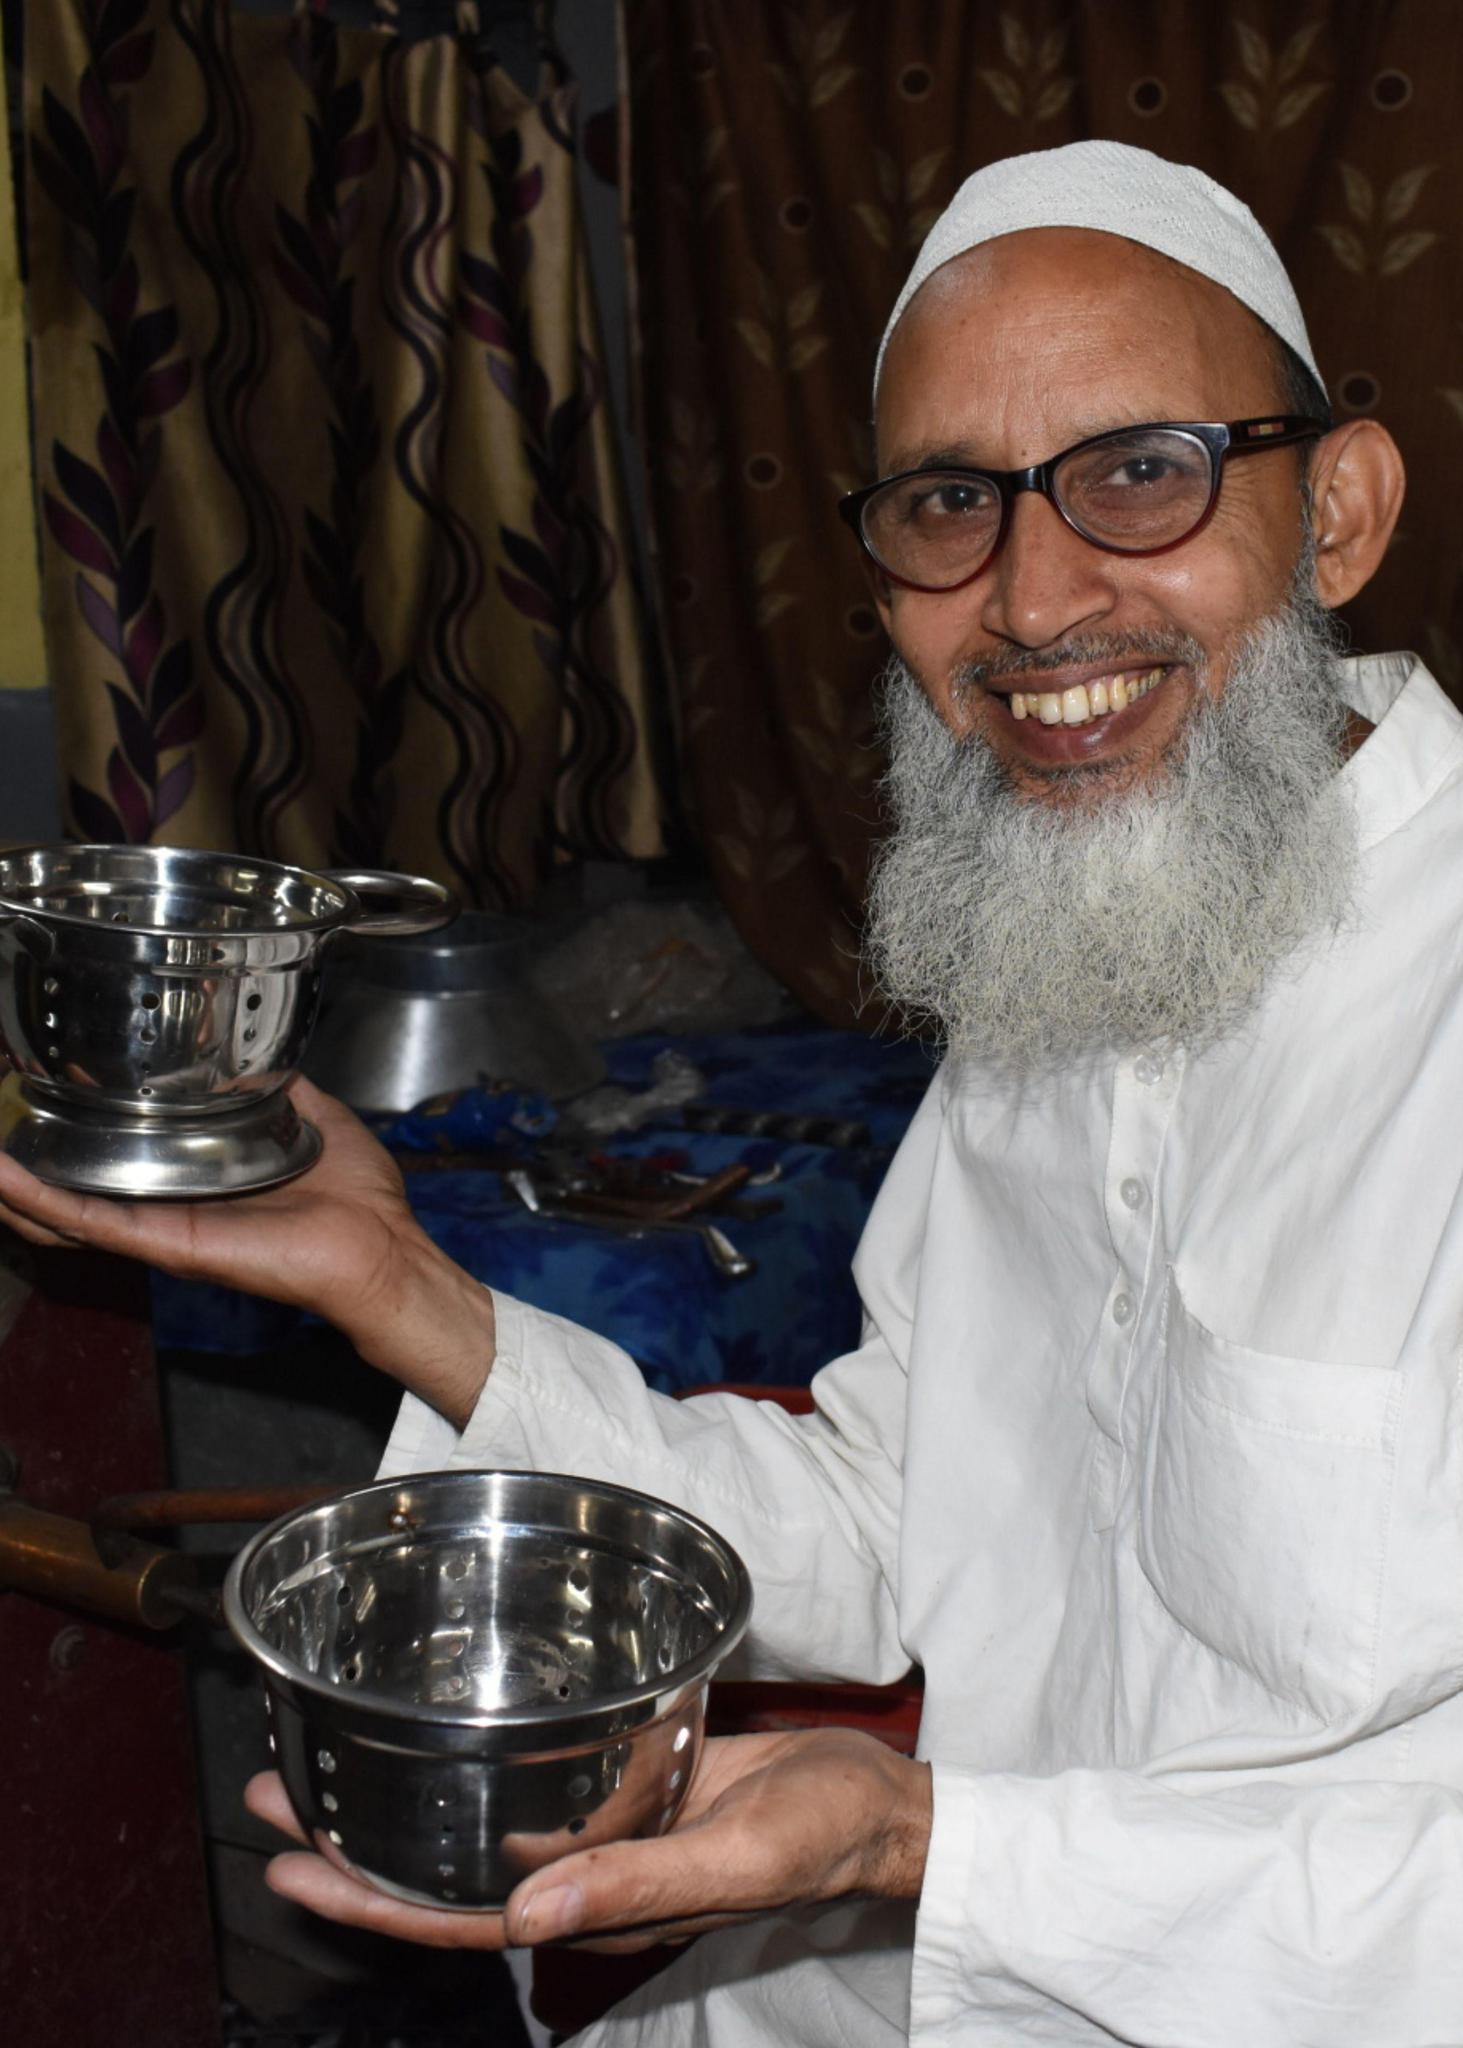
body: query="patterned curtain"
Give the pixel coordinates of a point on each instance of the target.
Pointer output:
(787, 157)
(335, 555)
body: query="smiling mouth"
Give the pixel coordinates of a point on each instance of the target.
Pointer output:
(1084, 702)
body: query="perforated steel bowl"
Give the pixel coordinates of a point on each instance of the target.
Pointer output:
(157, 1001)
(470, 1674)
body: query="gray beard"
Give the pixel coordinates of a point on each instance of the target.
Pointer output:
(1030, 934)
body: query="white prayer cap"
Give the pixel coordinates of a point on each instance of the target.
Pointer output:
(1121, 191)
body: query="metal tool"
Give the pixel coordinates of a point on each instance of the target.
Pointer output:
(723, 1254)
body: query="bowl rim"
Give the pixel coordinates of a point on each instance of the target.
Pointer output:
(365, 1701)
(17, 906)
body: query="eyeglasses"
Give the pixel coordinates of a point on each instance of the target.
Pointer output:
(1133, 491)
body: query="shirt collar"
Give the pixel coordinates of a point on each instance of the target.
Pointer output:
(1417, 744)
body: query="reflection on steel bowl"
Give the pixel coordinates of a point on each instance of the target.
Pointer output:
(470, 1674)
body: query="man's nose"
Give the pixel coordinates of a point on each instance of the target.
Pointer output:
(1047, 581)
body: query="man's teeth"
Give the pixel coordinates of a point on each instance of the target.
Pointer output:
(1084, 701)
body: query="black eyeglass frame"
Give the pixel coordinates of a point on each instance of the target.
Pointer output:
(1221, 440)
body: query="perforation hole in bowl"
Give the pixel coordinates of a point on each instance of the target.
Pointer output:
(253, 1000)
(152, 1000)
(250, 1033)
(352, 1671)
(147, 1036)
(50, 985)
(345, 1596)
(579, 1578)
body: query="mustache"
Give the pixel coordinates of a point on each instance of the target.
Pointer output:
(1144, 644)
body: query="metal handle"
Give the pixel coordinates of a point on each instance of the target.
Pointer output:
(37, 940)
(410, 903)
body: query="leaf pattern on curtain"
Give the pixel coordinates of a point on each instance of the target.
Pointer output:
(787, 157)
(335, 556)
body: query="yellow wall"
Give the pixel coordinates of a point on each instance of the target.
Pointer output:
(22, 653)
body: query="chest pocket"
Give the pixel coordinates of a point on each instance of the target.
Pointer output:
(1264, 1507)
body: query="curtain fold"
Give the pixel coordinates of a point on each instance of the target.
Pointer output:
(787, 157)
(335, 550)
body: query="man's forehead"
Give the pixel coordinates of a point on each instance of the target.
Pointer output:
(1126, 333)
(1053, 269)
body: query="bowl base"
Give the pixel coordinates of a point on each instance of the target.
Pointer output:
(232, 1152)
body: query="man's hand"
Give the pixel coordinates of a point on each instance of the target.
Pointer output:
(770, 1821)
(340, 1240)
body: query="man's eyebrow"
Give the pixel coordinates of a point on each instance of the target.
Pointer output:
(948, 455)
(966, 454)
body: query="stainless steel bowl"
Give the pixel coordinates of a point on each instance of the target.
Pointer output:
(147, 991)
(471, 1674)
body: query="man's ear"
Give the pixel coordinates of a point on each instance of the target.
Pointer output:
(1357, 482)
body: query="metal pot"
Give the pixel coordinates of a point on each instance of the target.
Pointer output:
(472, 1673)
(424, 1016)
(157, 1001)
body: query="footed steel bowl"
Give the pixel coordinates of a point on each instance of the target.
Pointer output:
(157, 1001)
(470, 1674)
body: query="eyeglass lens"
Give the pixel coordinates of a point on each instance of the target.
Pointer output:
(1128, 491)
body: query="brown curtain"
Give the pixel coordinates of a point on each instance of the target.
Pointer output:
(786, 159)
(335, 555)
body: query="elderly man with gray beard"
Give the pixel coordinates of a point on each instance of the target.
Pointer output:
(1152, 1453)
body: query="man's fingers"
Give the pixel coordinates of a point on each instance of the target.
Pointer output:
(664, 1934)
(267, 1800)
(678, 1880)
(312, 1882)
(30, 1204)
(34, 1233)
(324, 1110)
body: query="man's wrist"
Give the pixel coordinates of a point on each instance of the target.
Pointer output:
(906, 1846)
(432, 1329)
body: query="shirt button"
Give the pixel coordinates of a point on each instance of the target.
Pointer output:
(1147, 1068)
(1122, 1308)
(1133, 1192)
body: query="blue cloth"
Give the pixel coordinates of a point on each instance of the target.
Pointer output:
(659, 1296)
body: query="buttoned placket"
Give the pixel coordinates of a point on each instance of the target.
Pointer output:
(1145, 1090)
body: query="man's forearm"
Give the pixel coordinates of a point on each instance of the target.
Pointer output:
(431, 1327)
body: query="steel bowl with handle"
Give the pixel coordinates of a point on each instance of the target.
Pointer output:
(470, 1674)
(157, 1001)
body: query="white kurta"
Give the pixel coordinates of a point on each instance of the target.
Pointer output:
(1153, 1458)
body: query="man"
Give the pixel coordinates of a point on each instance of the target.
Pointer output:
(1152, 1454)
